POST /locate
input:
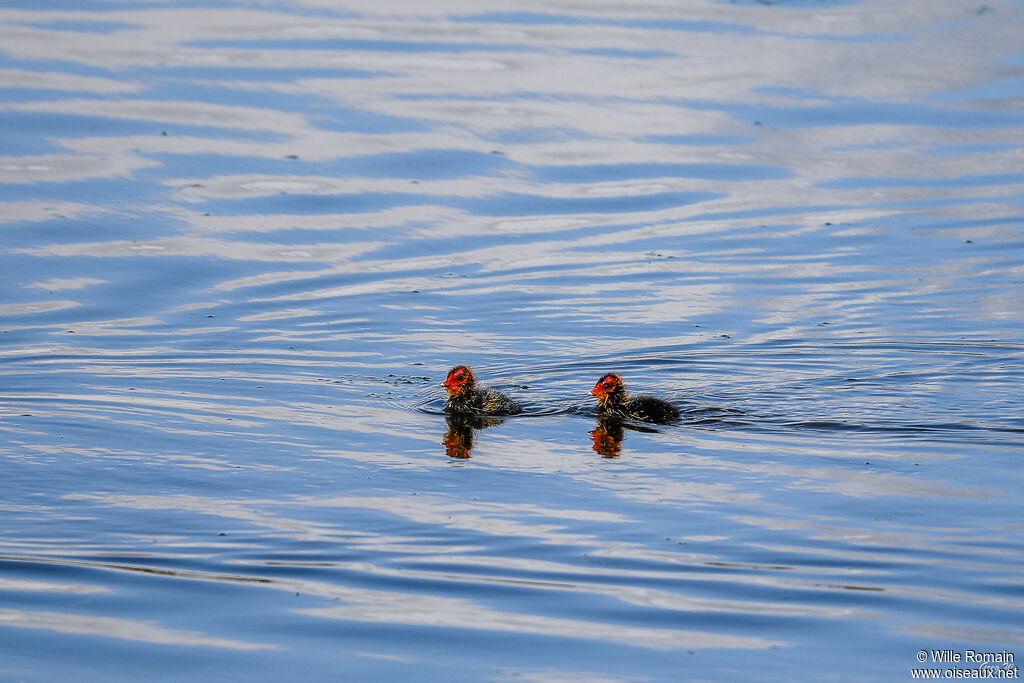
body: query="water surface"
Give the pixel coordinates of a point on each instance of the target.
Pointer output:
(242, 246)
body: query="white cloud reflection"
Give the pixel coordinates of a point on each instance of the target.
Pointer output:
(441, 612)
(123, 629)
(62, 283)
(55, 168)
(55, 80)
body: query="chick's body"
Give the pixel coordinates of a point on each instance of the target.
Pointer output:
(464, 397)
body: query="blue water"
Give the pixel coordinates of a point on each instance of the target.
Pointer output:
(242, 246)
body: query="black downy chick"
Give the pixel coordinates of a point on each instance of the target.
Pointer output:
(613, 401)
(465, 398)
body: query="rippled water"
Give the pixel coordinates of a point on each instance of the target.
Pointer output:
(242, 244)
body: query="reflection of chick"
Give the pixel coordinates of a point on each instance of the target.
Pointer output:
(610, 432)
(607, 437)
(464, 397)
(458, 440)
(613, 401)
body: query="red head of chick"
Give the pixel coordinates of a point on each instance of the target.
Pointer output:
(610, 391)
(460, 381)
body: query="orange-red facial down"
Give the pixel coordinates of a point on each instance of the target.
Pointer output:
(460, 378)
(606, 385)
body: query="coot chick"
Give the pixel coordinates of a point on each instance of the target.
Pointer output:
(613, 401)
(464, 396)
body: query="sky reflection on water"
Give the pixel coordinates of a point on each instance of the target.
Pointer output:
(241, 247)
